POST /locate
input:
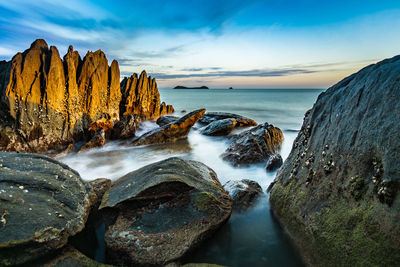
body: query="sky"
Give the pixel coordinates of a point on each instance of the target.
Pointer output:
(218, 43)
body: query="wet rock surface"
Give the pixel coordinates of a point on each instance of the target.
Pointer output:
(48, 103)
(156, 214)
(170, 132)
(164, 120)
(243, 192)
(219, 127)
(210, 117)
(50, 194)
(274, 162)
(255, 145)
(337, 193)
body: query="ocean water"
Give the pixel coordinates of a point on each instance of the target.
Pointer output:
(251, 238)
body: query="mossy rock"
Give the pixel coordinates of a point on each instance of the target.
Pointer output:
(156, 214)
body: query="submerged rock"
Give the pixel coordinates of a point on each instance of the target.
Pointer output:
(337, 193)
(164, 120)
(274, 162)
(42, 203)
(170, 132)
(254, 145)
(243, 192)
(210, 117)
(156, 214)
(219, 127)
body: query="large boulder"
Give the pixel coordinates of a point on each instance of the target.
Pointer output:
(171, 132)
(156, 214)
(42, 203)
(210, 117)
(243, 192)
(255, 145)
(219, 127)
(337, 193)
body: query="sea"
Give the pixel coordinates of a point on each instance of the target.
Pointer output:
(250, 238)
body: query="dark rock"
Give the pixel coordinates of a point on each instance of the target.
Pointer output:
(43, 202)
(244, 193)
(219, 127)
(164, 120)
(156, 214)
(99, 187)
(274, 162)
(126, 127)
(170, 132)
(337, 193)
(215, 116)
(48, 103)
(254, 146)
(98, 140)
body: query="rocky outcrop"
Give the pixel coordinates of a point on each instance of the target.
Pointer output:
(156, 214)
(337, 193)
(170, 132)
(210, 117)
(219, 127)
(47, 102)
(164, 120)
(243, 192)
(42, 203)
(166, 109)
(254, 146)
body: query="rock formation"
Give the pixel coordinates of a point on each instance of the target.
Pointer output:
(156, 214)
(337, 193)
(47, 102)
(171, 132)
(255, 145)
(244, 193)
(42, 203)
(210, 117)
(164, 120)
(219, 127)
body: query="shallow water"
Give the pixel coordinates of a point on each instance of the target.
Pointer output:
(252, 238)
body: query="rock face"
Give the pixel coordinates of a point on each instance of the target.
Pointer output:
(170, 132)
(337, 193)
(244, 193)
(210, 117)
(42, 203)
(156, 214)
(254, 146)
(47, 102)
(219, 127)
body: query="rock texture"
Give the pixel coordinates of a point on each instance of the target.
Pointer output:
(243, 192)
(274, 162)
(42, 203)
(254, 146)
(337, 193)
(47, 102)
(156, 214)
(170, 132)
(210, 117)
(164, 120)
(219, 127)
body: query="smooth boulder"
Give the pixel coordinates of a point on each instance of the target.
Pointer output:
(337, 192)
(43, 202)
(243, 192)
(219, 127)
(156, 214)
(255, 145)
(171, 132)
(210, 117)
(274, 162)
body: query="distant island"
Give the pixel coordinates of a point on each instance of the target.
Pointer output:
(184, 87)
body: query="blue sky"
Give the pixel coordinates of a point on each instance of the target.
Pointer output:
(244, 44)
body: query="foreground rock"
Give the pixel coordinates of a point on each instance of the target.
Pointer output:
(274, 162)
(48, 103)
(337, 193)
(254, 146)
(164, 120)
(210, 117)
(219, 127)
(170, 132)
(42, 203)
(243, 192)
(156, 214)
